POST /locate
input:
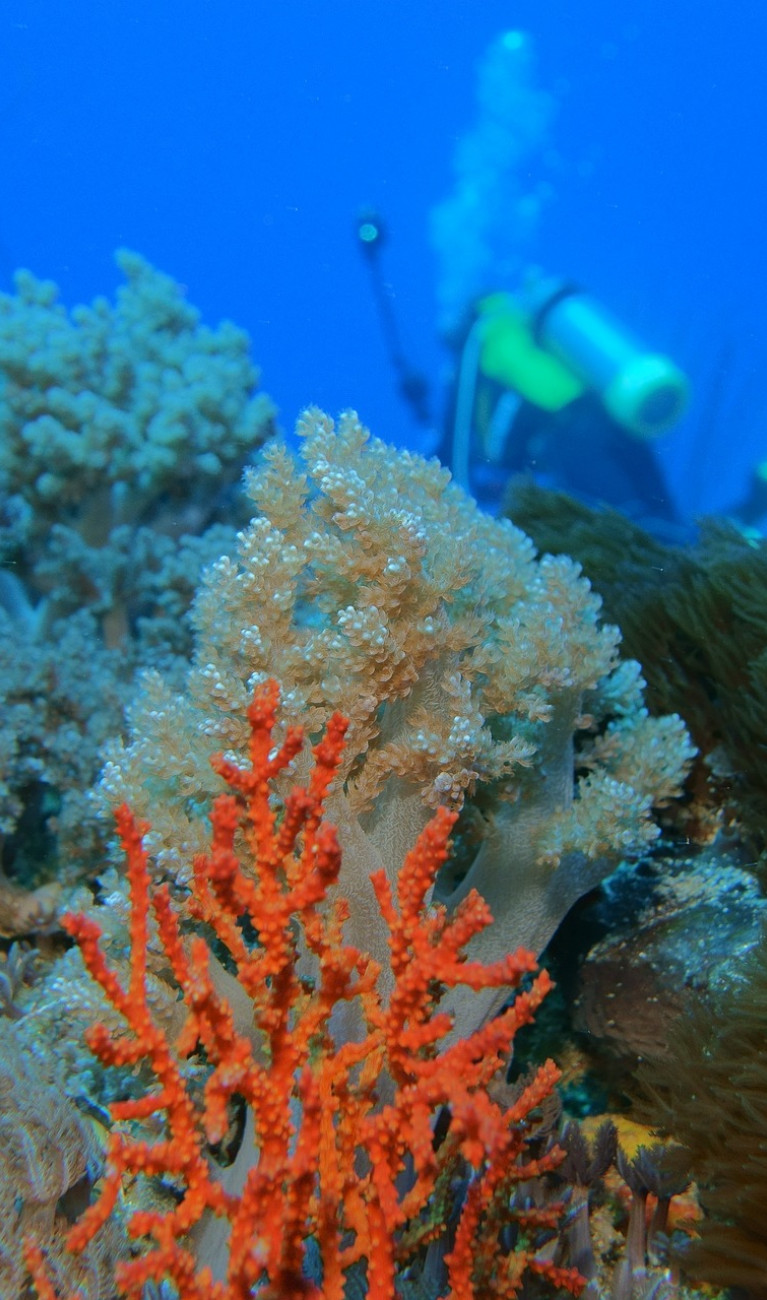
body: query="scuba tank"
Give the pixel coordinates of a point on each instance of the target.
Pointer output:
(644, 391)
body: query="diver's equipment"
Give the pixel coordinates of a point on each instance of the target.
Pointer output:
(512, 357)
(371, 235)
(642, 390)
(499, 346)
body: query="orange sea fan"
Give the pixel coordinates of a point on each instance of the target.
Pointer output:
(340, 1161)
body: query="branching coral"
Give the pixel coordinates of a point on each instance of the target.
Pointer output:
(123, 430)
(340, 1145)
(111, 414)
(119, 424)
(368, 583)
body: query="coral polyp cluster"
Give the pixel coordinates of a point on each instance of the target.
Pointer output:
(474, 674)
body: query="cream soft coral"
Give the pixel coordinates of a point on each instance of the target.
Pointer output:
(469, 668)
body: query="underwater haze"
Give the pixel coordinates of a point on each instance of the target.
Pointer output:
(241, 1052)
(234, 144)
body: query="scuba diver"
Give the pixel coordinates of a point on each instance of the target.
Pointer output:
(548, 384)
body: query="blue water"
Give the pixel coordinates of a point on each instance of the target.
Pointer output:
(233, 144)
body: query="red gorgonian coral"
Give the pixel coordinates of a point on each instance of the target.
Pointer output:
(340, 1156)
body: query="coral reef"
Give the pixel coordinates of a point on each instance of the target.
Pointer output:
(335, 1023)
(368, 583)
(339, 1146)
(114, 415)
(123, 431)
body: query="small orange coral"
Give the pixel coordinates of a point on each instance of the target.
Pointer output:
(341, 1145)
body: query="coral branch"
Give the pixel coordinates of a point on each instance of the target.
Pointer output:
(343, 1160)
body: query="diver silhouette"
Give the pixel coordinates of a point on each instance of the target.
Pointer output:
(548, 384)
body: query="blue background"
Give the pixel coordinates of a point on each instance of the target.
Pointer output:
(233, 143)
